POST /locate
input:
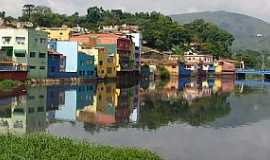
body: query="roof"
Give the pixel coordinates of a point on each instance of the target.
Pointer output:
(111, 48)
(52, 52)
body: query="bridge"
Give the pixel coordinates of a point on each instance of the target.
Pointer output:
(241, 73)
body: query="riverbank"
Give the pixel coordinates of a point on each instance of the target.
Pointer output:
(48, 147)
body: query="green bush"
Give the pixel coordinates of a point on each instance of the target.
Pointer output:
(164, 73)
(8, 84)
(46, 147)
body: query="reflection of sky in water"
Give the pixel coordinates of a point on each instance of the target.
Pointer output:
(68, 111)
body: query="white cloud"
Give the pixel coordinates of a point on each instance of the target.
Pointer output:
(258, 8)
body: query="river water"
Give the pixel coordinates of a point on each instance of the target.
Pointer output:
(186, 119)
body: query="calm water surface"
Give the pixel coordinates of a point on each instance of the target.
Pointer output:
(215, 119)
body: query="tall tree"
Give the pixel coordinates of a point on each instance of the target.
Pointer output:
(2, 14)
(27, 10)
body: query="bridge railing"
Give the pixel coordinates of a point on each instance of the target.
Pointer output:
(252, 71)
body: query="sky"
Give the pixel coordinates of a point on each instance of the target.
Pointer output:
(255, 8)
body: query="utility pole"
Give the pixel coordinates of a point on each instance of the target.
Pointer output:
(263, 65)
(27, 9)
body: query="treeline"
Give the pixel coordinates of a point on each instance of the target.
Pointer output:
(159, 31)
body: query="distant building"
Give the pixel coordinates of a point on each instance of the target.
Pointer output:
(137, 39)
(26, 48)
(126, 51)
(192, 60)
(225, 66)
(125, 28)
(60, 34)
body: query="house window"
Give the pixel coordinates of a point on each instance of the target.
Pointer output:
(100, 63)
(6, 40)
(32, 54)
(110, 60)
(109, 70)
(31, 110)
(8, 50)
(42, 67)
(32, 67)
(20, 54)
(42, 55)
(61, 33)
(20, 40)
(40, 109)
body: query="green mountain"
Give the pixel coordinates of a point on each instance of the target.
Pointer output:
(244, 28)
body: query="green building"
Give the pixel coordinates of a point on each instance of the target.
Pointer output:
(28, 50)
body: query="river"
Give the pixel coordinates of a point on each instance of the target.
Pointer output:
(179, 119)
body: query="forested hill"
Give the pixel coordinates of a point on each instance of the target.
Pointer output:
(243, 27)
(159, 31)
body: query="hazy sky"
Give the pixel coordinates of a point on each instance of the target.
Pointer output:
(256, 8)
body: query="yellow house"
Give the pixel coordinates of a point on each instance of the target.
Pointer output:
(106, 65)
(112, 66)
(60, 34)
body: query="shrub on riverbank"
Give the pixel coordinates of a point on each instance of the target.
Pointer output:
(8, 84)
(164, 73)
(48, 147)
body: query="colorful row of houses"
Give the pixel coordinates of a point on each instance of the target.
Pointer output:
(57, 53)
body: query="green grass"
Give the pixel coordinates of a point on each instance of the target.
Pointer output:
(8, 84)
(45, 147)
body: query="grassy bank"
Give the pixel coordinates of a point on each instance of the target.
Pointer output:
(9, 84)
(48, 147)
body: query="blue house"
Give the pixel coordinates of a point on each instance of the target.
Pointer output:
(86, 66)
(56, 64)
(69, 49)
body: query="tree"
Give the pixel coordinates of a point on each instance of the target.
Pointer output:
(27, 10)
(211, 38)
(2, 14)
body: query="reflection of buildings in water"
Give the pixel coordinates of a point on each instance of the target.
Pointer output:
(223, 85)
(172, 84)
(152, 85)
(196, 90)
(55, 98)
(127, 104)
(68, 110)
(102, 110)
(24, 114)
(111, 105)
(69, 99)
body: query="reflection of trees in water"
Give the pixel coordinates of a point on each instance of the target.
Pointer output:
(246, 90)
(157, 112)
(206, 109)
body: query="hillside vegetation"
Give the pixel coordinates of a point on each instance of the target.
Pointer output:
(244, 28)
(159, 31)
